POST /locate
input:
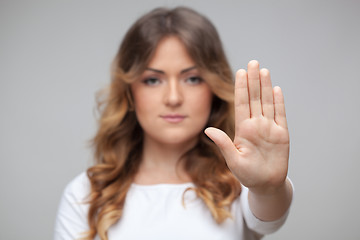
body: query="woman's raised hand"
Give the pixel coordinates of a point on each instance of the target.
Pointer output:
(259, 154)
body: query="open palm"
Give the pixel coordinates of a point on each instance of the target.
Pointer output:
(258, 155)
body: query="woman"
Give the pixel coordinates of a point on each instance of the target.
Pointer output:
(157, 175)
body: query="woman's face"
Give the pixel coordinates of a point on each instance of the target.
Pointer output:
(172, 102)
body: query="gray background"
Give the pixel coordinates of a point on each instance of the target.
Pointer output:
(54, 56)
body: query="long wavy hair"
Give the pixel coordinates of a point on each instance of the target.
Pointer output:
(118, 142)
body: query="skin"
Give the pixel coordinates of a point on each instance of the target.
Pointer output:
(258, 155)
(170, 86)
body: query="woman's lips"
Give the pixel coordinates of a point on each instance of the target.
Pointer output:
(173, 118)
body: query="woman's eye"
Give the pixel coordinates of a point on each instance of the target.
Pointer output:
(194, 80)
(151, 81)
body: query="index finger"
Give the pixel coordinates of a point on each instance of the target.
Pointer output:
(242, 108)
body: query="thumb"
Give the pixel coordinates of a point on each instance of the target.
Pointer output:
(224, 143)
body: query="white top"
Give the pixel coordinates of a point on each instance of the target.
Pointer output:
(156, 212)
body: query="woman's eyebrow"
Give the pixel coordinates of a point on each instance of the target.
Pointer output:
(187, 69)
(162, 72)
(155, 70)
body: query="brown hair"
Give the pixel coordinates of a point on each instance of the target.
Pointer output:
(119, 137)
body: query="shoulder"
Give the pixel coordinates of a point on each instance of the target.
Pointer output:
(71, 219)
(78, 188)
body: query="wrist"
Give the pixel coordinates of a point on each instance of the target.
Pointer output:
(271, 190)
(270, 203)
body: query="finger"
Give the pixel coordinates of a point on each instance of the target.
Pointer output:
(267, 99)
(242, 108)
(222, 140)
(254, 88)
(280, 116)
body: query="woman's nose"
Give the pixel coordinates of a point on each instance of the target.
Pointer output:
(173, 94)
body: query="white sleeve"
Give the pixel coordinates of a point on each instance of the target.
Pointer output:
(255, 224)
(71, 219)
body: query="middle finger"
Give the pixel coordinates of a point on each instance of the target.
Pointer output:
(254, 88)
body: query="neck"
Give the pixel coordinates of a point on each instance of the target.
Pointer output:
(160, 162)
